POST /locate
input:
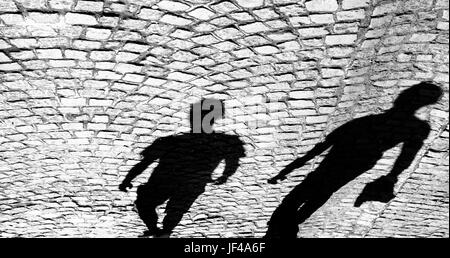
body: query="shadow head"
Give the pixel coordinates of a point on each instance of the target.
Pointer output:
(417, 96)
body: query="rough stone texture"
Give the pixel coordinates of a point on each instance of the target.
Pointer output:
(86, 85)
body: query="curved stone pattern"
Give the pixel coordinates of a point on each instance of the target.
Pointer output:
(87, 85)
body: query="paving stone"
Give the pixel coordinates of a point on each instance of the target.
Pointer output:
(97, 34)
(265, 50)
(173, 6)
(89, 6)
(229, 33)
(254, 27)
(312, 32)
(350, 15)
(83, 19)
(321, 18)
(422, 37)
(250, 3)
(8, 6)
(384, 9)
(340, 39)
(175, 20)
(149, 14)
(5, 58)
(49, 53)
(202, 14)
(321, 6)
(353, 4)
(11, 18)
(61, 4)
(87, 85)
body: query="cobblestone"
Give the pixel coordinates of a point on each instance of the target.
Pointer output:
(340, 39)
(321, 6)
(85, 86)
(82, 19)
(353, 4)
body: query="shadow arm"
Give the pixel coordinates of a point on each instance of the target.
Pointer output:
(138, 169)
(232, 157)
(231, 165)
(406, 157)
(318, 149)
(150, 154)
(382, 189)
(134, 172)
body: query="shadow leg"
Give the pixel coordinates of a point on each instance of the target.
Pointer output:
(177, 206)
(147, 213)
(283, 222)
(311, 206)
(148, 199)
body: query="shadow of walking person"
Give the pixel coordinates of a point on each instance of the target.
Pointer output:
(186, 162)
(355, 147)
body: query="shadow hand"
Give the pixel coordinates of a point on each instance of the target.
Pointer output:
(282, 174)
(220, 181)
(381, 190)
(124, 185)
(275, 179)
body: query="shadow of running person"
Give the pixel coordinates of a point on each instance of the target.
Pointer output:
(355, 147)
(186, 162)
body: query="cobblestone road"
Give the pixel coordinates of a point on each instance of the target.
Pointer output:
(85, 86)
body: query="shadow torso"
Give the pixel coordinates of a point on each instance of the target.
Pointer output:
(187, 161)
(359, 144)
